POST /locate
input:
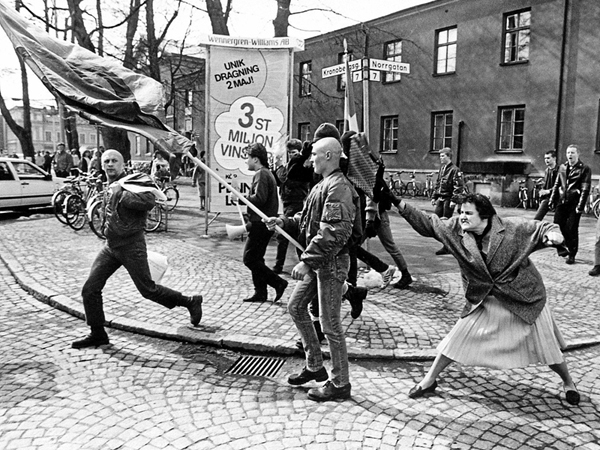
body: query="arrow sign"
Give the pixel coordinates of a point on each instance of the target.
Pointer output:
(388, 66)
(340, 69)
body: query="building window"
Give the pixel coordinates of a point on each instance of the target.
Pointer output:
(304, 131)
(393, 52)
(93, 137)
(445, 50)
(81, 138)
(441, 130)
(389, 134)
(189, 97)
(305, 75)
(48, 136)
(517, 30)
(138, 145)
(511, 121)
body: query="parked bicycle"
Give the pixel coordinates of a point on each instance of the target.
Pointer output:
(428, 189)
(171, 191)
(523, 195)
(535, 193)
(593, 202)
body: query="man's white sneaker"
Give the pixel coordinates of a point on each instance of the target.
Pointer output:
(388, 275)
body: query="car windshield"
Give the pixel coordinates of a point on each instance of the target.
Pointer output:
(26, 170)
(5, 173)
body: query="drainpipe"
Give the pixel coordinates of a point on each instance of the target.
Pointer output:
(561, 78)
(461, 125)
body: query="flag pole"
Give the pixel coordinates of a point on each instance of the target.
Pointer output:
(240, 197)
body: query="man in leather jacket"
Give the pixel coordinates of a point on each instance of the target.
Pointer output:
(125, 217)
(329, 219)
(448, 185)
(549, 180)
(570, 192)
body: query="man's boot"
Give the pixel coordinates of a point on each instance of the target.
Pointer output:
(404, 281)
(356, 295)
(194, 306)
(96, 338)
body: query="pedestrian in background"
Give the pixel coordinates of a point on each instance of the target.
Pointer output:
(448, 186)
(506, 322)
(549, 181)
(125, 217)
(263, 195)
(63, 161)
(294, 180)
(569, 195)
(327, 222)
(199, 180)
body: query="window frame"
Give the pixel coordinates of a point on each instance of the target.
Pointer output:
(394, 140)
(446, 45)
(305, 79)
(517, 30)
(445, 138)
(304, 136)
(392, 77)
(499, 129)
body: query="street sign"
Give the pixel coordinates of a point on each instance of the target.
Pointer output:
(374, 75)
(340, 69)
(389, 66)
(357, 76)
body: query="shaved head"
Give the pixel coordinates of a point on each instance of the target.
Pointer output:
(112, 163)
(326, 154)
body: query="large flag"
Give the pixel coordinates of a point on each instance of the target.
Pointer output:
(83, 80)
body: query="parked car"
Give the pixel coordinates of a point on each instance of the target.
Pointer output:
(24, 185)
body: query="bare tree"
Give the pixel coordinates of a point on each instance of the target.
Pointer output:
(218, 17)
(22, 132)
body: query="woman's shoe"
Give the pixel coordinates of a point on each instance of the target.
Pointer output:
(418, 391)
(572, 397)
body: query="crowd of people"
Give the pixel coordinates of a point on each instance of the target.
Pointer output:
(506, 321)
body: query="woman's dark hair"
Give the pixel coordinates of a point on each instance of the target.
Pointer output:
(483, 205)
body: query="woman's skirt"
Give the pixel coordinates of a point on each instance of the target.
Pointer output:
(492, 336)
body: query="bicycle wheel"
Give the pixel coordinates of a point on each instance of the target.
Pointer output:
(596, 208)
(96, 219)
(74, 208)
(410, 189)
(154, 218)
(57, 205)
(172, 197)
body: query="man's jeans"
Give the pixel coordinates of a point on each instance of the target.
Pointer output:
(384, 233)
(327, 283)
(254, 258)
(134, 258)
(568, 221)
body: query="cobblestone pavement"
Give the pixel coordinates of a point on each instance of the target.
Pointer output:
(141, 392)
(53, 261)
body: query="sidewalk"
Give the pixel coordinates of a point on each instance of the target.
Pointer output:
(51, 261)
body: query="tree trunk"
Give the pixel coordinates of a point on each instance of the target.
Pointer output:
(282, 19)
(128, 60)
(152, 41)
(78, 26)
(218, 18)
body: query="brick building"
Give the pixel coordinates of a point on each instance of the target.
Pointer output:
(498, 82)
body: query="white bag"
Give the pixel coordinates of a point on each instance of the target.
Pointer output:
(158, 265)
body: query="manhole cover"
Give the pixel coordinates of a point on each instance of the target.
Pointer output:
(257, 366)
